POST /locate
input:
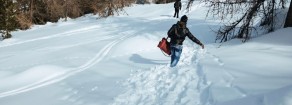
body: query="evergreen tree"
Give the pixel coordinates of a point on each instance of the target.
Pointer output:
(8, 21)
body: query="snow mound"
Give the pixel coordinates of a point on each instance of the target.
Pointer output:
(29, 79)
(279, 37)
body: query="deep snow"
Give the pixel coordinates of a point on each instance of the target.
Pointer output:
(115, 61)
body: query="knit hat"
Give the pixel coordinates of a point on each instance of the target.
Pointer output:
(184, 18)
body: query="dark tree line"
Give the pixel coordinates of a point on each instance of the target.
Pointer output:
(22, 14)
(243, 26)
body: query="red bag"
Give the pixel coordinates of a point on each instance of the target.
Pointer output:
(164, 45)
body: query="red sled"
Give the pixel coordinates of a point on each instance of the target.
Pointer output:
(164, 46)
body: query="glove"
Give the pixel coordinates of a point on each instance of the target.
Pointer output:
(202, 46)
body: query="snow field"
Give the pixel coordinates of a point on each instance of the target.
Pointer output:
(90, 61)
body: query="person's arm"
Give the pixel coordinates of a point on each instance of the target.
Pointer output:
(194, 39)
(169, 31)
(179, 5)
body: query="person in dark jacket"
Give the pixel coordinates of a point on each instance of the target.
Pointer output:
(177, 7)
(177, 34)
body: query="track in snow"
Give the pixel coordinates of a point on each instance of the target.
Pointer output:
(64, 34)
(162, 85)
(56, 78)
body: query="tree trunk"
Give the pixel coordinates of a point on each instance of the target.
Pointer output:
(66, 10)
(31, 10)
(288, 22)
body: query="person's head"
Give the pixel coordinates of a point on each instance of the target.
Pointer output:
(184, 19)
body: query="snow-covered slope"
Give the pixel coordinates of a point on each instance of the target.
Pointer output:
(115, 61)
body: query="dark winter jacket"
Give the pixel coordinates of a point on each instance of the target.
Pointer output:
(178, 33)
(177, 4)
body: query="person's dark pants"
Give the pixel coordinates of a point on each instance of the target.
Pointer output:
(176, 13)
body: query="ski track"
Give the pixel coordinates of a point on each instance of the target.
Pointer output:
(162, 85)
(80, 44)
(64, 34)
(61, 47)
(56, 78)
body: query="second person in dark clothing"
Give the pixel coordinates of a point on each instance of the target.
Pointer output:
(177, 7)
(177, 34)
